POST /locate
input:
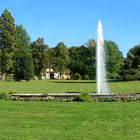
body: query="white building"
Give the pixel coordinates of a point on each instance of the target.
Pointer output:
(51, 74)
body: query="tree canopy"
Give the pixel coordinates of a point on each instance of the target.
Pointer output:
(61, 59)
(25, 59)
(39, 54)
(131, 66)
(7, 42)
(23, 68)
(114, 59)
(83, 61)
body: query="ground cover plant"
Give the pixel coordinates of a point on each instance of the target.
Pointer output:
(69, 121)
(66, 86)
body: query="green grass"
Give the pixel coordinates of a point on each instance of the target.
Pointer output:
(69, 121)
(125, 87)
(62, 86)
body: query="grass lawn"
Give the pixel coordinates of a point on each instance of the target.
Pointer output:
(69, 121)
(62, 86)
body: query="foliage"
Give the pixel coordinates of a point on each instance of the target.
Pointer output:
(83, 61)
(22, 39)
(134, 56)
(3, 96)
(114, 59)
(85, 97)
(39, 54)
(91, 43)
(86, 77)
(81, 97)
(7, 42)
(15, 45)
(131, 67)
(23, 62)
(50, 56)
(76, 76)
(114, 98)
(60, 58)
(131, 74)
(23, 67)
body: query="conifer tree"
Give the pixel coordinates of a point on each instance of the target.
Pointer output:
(7, 42)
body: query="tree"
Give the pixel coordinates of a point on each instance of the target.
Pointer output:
(131, 67)
(83, 61)
(134, 56)
(22, 39)
(114, 59)
(91, 43)
(23, 62)
(7, 42)
(91, 59)
(23, 66)
(39, 52)
(61, 58)
(50, 56)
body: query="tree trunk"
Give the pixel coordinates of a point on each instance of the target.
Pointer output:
(2, 77)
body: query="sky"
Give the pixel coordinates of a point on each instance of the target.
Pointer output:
(75, 21)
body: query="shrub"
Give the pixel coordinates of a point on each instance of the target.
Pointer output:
(113, 76)
(3, 95)
(85, 97)
(76, 76)
(86, 77)
(129, 77)
(11, 92)
(131, 74)
(9, 77)
(138, 74)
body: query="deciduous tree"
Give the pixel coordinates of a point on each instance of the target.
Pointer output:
(61, 58)
(39, 53)
(114, 59)
(23, 62)
(131, 67)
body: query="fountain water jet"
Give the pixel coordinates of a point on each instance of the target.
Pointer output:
(102, 87)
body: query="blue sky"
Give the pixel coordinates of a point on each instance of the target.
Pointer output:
(75, 21)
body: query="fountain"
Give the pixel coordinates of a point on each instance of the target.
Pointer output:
(102, 87)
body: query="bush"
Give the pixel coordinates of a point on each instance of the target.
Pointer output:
(3, 95)
(129, 77)
(76, 76)
(113, 76)
(11, 92)
(85, 97)
(86, 77)
(138, 74)
(9, 77)
(131, 74)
